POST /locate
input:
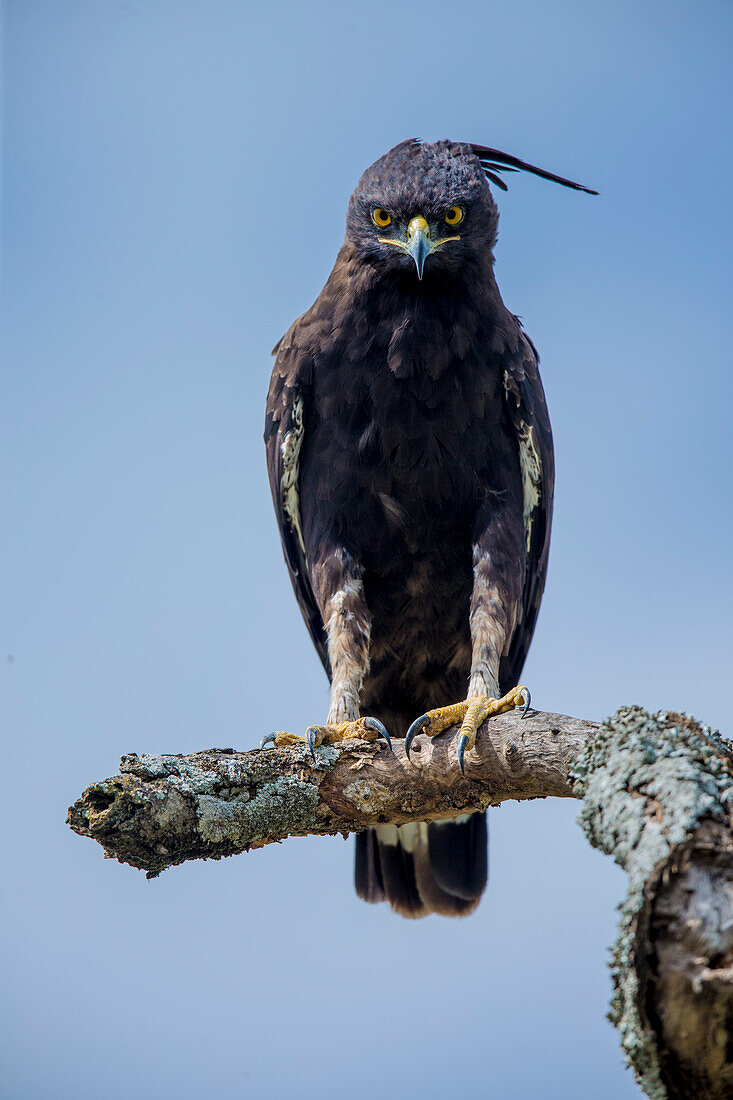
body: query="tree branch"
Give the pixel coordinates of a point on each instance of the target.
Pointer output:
(163, 810)
(657, 795)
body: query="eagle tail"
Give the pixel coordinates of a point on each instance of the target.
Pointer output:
(421, 868)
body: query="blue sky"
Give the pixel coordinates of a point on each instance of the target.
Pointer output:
(175, 178)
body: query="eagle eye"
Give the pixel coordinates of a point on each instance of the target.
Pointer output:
(380, 217)
(454, 215)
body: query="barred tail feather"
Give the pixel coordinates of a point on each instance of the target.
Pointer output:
(459, 855)
(367, 869)
(422, 868)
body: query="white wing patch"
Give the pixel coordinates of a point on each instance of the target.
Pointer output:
(290, 452)
(530, 465)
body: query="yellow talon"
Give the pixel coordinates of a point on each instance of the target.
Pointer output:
(365, 729)
(470, 713)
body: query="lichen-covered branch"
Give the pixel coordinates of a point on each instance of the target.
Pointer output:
(163, 810)
(657, 795)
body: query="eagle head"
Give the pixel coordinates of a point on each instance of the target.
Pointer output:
(428, 208)
(424, 208)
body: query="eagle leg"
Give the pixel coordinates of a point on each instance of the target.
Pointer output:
(339, 590)
(493, 615)
(363, 729)
(470, 713)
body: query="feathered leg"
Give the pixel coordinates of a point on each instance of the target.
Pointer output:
(339, 590)
(495, 601)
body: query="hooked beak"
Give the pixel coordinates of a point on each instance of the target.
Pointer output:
(419, 243)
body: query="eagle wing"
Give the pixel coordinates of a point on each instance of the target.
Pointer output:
(524, 400)
(285, 426)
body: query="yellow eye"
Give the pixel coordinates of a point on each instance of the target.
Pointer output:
(454, 215)
(381, 217)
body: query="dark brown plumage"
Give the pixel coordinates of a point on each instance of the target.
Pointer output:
(411, 465)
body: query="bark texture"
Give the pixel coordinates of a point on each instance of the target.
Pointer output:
(657, 793)
(163, 810)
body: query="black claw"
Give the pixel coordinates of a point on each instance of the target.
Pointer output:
(266, 740)
(418, 725)
(526, 705)
(462, 742)
(375, 724)
(310, 736)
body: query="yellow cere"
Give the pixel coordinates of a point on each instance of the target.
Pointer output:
(418, 225)
(454, 215)
(380, 217)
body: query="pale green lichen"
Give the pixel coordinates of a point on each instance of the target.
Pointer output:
(279, 808)
(647, 781)
(327, 755)
(184, 775)
(219, 820)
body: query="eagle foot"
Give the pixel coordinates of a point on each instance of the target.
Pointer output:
(470, 713)
(363, 729)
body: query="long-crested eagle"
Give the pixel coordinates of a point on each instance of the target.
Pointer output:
(411, 465)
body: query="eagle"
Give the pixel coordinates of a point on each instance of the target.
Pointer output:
(410, 459)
